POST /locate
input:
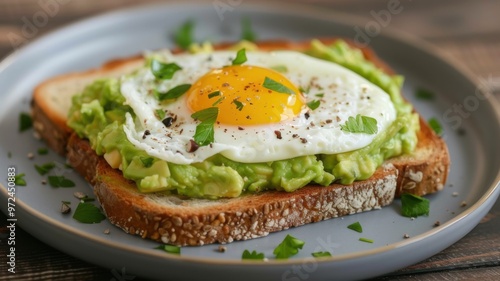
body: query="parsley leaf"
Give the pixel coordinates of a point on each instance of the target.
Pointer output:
(184, 35)
(246, 30)
(435, 126)
(356, 227)
(164, 70)
(241, 57)
(45, 168)
(214, 94)
(173, 93)
(170, 249)
(313, 104)
(321, 254)
(414, 206)
(60, 181)
(43, 151)
(160, 113)
(280, 68)
(247, 255)
(88, 213)
(25, 121)
(204, 134)
(360, 124)
(289, 247)
(424, 94)
(367, 240)
(19, 179)
(276, 86)
(239, 104)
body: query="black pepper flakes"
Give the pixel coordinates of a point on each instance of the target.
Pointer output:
(146, 133)
(192, 146)
(168, 121)
(278, 134)
(306, 115)
(303, 140)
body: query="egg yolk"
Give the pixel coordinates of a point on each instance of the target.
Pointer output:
(242, 98)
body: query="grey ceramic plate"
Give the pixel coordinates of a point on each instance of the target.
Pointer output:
(473, 178)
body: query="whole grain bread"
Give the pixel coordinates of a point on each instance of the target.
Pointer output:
(184, 221)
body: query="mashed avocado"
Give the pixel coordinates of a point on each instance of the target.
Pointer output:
(99, 113)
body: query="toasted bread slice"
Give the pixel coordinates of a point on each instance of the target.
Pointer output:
(180, 221)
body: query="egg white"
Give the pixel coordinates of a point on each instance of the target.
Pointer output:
(344, 94)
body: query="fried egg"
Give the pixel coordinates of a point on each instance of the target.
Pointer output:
(254, 123)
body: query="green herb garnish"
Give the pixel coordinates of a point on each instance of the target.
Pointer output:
(45, 168)
(241, 57)
(313, 104)
(360, 124)
(320, 95)
(25, 121)
(43, 151)
(204, 134)
(424, 94)
(247, 255)
(356, 227)
(173, 93)
(214, 94)
(184, 35)
(19, 179)
(164, 70)
(246, 30)
(66, 202)
(276, 86)
(414, 206)
(160, 113)
(321, 254)
(88, 213)
(239, 104)
(171, 249)
(280, 68)
(218, 101)
(305, 90)
(60, 181)
(366, 240)
(289, 247)
(435, 126)
(147, 161)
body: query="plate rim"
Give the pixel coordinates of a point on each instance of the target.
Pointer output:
(305, 11)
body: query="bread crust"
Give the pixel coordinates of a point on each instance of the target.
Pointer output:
(179, 221)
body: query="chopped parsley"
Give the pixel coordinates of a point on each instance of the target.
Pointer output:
(214, 94)
(356, 227)
(414, 206)
(43, 151)
(360, 124)
(204, 134)
(164, 70)
(305, 90)
(321, 254)
(366, 240)
(247, 255)
(435, 126)
(280, 68)
(45, 168)
(160, 113)
(241, 57)
(25, 121)
(183, 37)
(19, 179)
(313, 104)
(88, 213)
(60, 181)
(171, 249)
(173, 93)
(424, 94)
(246, 30)
(290, 246)
(276, 86)
(239, 104)
(320, 95)
(218, 101)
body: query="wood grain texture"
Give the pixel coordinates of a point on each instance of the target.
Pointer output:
(475, 257)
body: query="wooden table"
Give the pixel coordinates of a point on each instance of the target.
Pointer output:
(465, 30)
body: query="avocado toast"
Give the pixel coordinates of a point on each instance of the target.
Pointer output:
(175, 219)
